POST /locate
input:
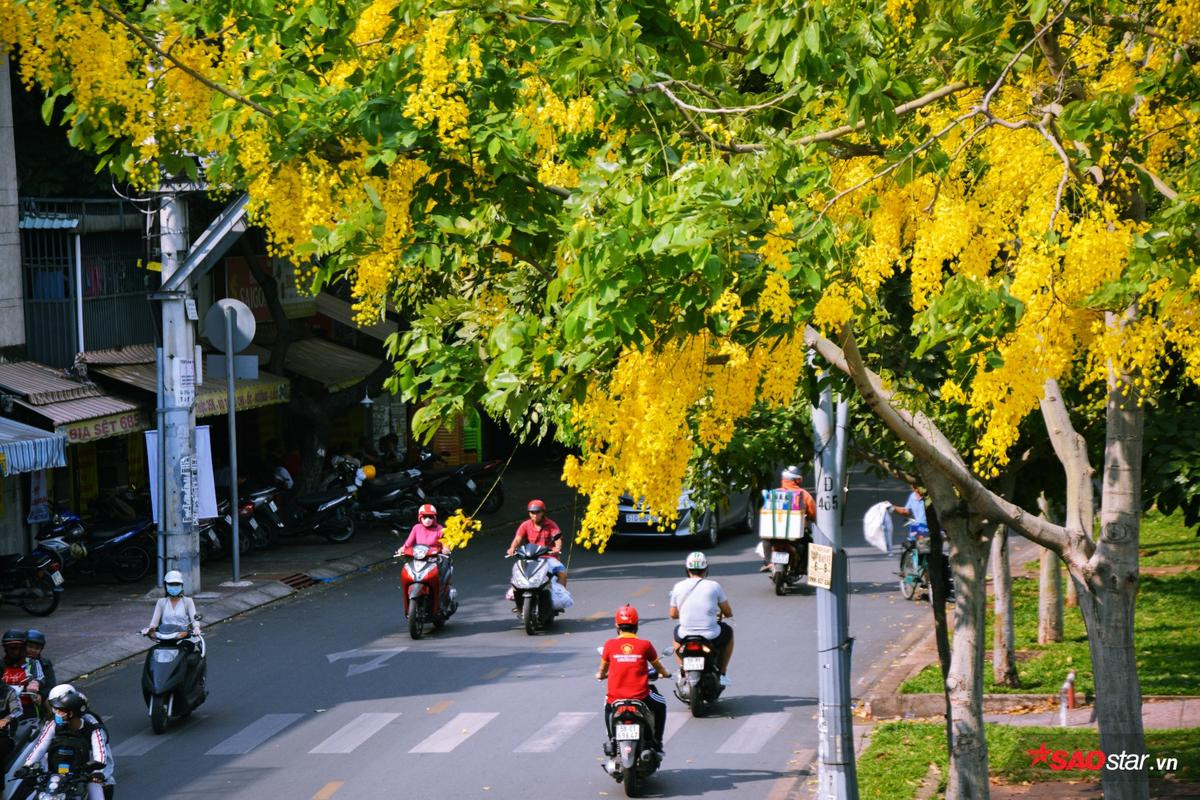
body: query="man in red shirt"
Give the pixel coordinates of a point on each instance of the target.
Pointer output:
(541, 530)
(624, 661)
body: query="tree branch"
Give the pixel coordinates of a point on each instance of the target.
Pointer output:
(148, 42)
(1159, 185)
(900, 110)
(663, 86)
(1071, 449)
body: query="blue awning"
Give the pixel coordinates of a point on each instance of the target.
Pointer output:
(27, 449)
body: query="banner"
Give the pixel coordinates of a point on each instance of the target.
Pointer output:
(199, 488)
(39, 498)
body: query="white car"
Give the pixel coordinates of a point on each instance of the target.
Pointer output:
(737, 510)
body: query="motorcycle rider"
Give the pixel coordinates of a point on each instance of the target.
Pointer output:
(73, 721)
(428, 531)
(623, 661)
(21, 671)
(178, 609)
(789, 481)
(12, 712)
(700, 603)
(541, 530)
(35, 642)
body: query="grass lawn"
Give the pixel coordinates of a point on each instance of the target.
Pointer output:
(1168, 616)
(898, 757)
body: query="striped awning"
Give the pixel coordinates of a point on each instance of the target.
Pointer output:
(27, 449)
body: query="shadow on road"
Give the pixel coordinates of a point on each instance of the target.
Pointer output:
(698, 782)
(736, 705)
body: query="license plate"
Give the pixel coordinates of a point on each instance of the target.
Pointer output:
(628, 733)
(271, 505)
(471, 485)
(780, 558)
(693, 664)
(57, 578)
(254, 523)
(641, 517)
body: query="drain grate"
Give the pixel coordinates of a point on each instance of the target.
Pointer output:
(298, 581)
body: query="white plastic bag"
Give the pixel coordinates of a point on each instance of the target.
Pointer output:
(560, 598)
(760, 550)
(877, 526)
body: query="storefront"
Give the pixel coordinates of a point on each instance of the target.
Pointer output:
(23, 450)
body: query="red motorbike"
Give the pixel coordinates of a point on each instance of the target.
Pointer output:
(425, 578)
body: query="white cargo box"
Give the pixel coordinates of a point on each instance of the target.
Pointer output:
(782, 515)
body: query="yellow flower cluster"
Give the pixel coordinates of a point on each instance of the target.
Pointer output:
(776, 301)
(640, 430)
(459, 529)
(1182, 17)
(548, 117)
(436, 98)
(554, 173)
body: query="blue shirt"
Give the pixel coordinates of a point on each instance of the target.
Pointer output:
(916, 508)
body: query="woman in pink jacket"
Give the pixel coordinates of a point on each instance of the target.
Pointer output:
(428, 531)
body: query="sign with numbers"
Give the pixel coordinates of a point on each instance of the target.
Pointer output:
(820, 566)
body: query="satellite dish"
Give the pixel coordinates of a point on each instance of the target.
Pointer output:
(243, 325)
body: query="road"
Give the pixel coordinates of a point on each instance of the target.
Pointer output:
(324, 696)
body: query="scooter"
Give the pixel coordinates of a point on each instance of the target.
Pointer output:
(24, 737)
(67, 778)
(328, 513)
(173, 681)
(388, 499)
(631, 755)
(34, 582)
(475, 485)
(124, 550)
(782, 575)
(531, 588)
(699, 683)
(425, 579)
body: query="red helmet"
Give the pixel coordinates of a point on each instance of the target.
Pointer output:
(535, 505)
(627, 615)
(427, 510)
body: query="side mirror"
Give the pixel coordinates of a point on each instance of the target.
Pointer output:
(199, 618)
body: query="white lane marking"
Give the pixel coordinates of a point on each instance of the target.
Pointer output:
(253, 735)
(354, 733)
(454, 732)
(138, 744)
(555, 732)
(675, 720)
(755, 732)
(382, 656)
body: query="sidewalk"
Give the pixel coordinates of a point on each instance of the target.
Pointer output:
(97, 624)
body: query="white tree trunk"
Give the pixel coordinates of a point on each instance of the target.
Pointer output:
(1050, 610)
(1004, 651)
(12, 308)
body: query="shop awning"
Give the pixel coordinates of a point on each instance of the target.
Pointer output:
(339, 310)
(265, 390)
(80, 410)
(331, 365)
(27, 449)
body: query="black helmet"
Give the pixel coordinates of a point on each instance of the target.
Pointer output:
(34, 636)
(13, 635)
(68, 698)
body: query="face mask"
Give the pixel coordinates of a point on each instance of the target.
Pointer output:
(59, 719)
(174, 590)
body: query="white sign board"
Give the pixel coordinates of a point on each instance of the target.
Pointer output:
(820, 566)
(185, 382)
(198, 481)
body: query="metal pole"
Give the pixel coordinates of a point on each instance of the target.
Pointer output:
(836, 775)
(160, 543)
(233, 469)
(79, 289)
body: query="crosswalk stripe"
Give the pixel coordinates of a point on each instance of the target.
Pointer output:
(253, 735)
(138, 744)
(754, 733)
(675, 720)
(556, 731)
(354, 733)
(454, 732)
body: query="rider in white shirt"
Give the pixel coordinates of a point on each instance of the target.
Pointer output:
(699, 603)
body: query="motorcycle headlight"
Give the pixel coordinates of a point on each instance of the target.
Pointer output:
(520, 581)
(421, 552)
(165, 655)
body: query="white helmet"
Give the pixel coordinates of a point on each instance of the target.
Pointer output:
(696, 561)
(174, 576)
(792, 473)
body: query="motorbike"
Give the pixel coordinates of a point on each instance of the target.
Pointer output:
(328, 513)
(68, 776)
(425, 579)
(388, 499)
(531, 588)
(914, 564)
(24, 738)
(630, 751)
(124, 550)
(699, 683)
(173, 679)
(781, 574)
(475, 485)
(34, 582)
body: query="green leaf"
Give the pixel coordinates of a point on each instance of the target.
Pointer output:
(1037, 10)
(373, 196)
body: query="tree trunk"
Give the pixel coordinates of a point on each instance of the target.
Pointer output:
(1004, 651)
(1111, 580)
(1072, 596)
(1050, 612)
(937, 602)
(968, 773)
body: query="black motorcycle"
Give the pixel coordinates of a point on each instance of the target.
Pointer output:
(328, 513)
(386, 500)
(34, 582)
(124, 550)
(630, 746)
(477, 486)
(69, 774)
(699, 683)
(173, 677)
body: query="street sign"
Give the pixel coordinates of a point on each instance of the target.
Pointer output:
(243, 325)
(820, 566)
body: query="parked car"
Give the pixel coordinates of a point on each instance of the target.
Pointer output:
(737, 510)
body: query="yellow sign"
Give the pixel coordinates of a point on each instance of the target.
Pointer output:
(820, 566)
(256, 395)
(89, 430)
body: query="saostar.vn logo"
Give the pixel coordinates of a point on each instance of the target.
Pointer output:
(1097, 760)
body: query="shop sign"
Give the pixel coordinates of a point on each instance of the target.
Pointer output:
(89, 430)
(820, 566)
(214, 402)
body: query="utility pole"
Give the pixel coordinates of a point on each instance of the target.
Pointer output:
(837, 778)
(177, 382)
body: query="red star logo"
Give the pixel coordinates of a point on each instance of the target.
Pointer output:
(1039, 755)
(627, 649)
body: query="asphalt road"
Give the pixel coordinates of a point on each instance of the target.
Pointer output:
(324, 696)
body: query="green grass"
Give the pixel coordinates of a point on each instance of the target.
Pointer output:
(899, 755)
(1168, 615)
(1167, 542)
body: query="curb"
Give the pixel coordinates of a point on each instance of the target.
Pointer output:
(93, 658)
